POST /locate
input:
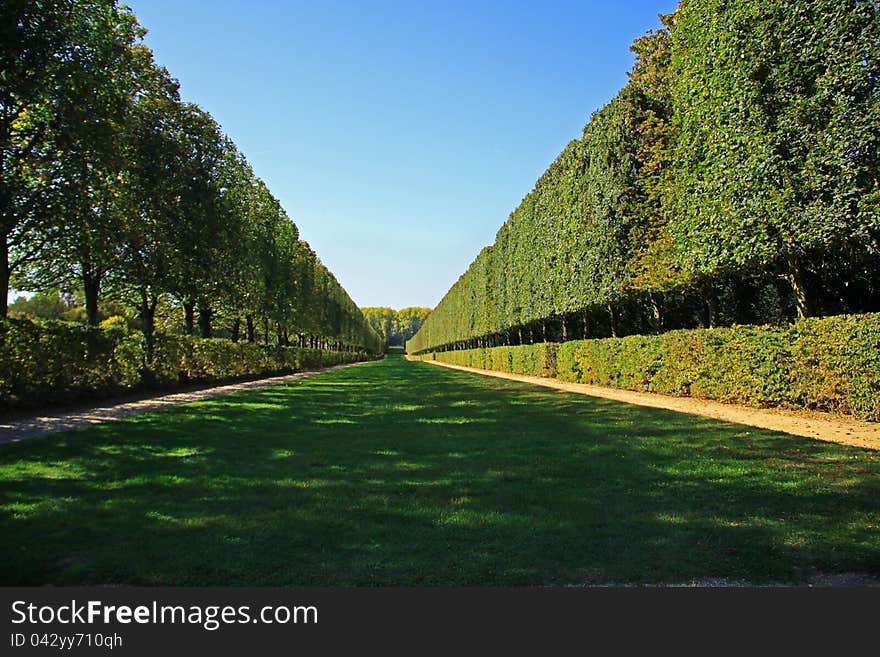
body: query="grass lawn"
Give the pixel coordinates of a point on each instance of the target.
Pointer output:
(397, 473)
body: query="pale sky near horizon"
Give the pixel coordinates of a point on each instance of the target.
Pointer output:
(399, 136)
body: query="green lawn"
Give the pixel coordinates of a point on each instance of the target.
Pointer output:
(397, 473)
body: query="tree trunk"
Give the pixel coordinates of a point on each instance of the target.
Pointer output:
(147, 313)
(711, 297)
(92, 288)
(206, 314)
(189, 317)
(656, 312)
(4, 278)
(249, 325)
(266, 332)
(564, 330)
(586, 319)
(615, 320)
(802, 298)
(236, 328)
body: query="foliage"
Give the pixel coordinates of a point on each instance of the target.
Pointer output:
(827, 364)
(113, 187)
(777, 108)
(733, 180)
(395, 327)
(50, 304)
(47, 362)
(114, 323)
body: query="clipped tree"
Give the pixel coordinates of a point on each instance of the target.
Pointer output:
(104, 72)
(36, 46)
(777, 156)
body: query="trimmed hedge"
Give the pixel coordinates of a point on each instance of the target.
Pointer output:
(828, 364)
(46, 362)
(535, 359)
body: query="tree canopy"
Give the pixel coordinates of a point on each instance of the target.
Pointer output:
(734, 179)
(395, 327)
(114, 187)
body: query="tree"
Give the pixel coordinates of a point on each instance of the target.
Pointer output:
(777, 159)
(383, 320)
(409, 320)
(149, 237)
(395, 327)
(35, 39)
(110, 181)
(744, 147)
(51, 304)
(207, 223)
(103, 74)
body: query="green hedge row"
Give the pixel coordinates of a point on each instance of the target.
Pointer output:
(828, 364)
(46, 362)
(535, 359)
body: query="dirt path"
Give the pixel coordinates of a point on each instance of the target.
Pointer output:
(821, 426)
(24, 427)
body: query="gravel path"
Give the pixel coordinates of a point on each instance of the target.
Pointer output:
(820, 426)
(24, 427)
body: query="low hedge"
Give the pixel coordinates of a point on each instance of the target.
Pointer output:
(828, 364)
(47, 362)
(535, 359)
(52, 361)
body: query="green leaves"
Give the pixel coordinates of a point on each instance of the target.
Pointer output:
(744, 151)
(395, 327)
(776, 105)
(111, 183)
(53, 362)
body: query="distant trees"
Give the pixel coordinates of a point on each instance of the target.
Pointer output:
(383, 320)
(49, 304)
(112, 186)
(409, 321)
(735, 179)
(395, 327)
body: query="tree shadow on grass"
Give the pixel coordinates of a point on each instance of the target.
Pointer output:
(398, 473)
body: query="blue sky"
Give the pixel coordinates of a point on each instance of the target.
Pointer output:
(398, 135)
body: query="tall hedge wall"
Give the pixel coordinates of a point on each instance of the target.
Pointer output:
(829, 364)
(45, 362)
(735, 179)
